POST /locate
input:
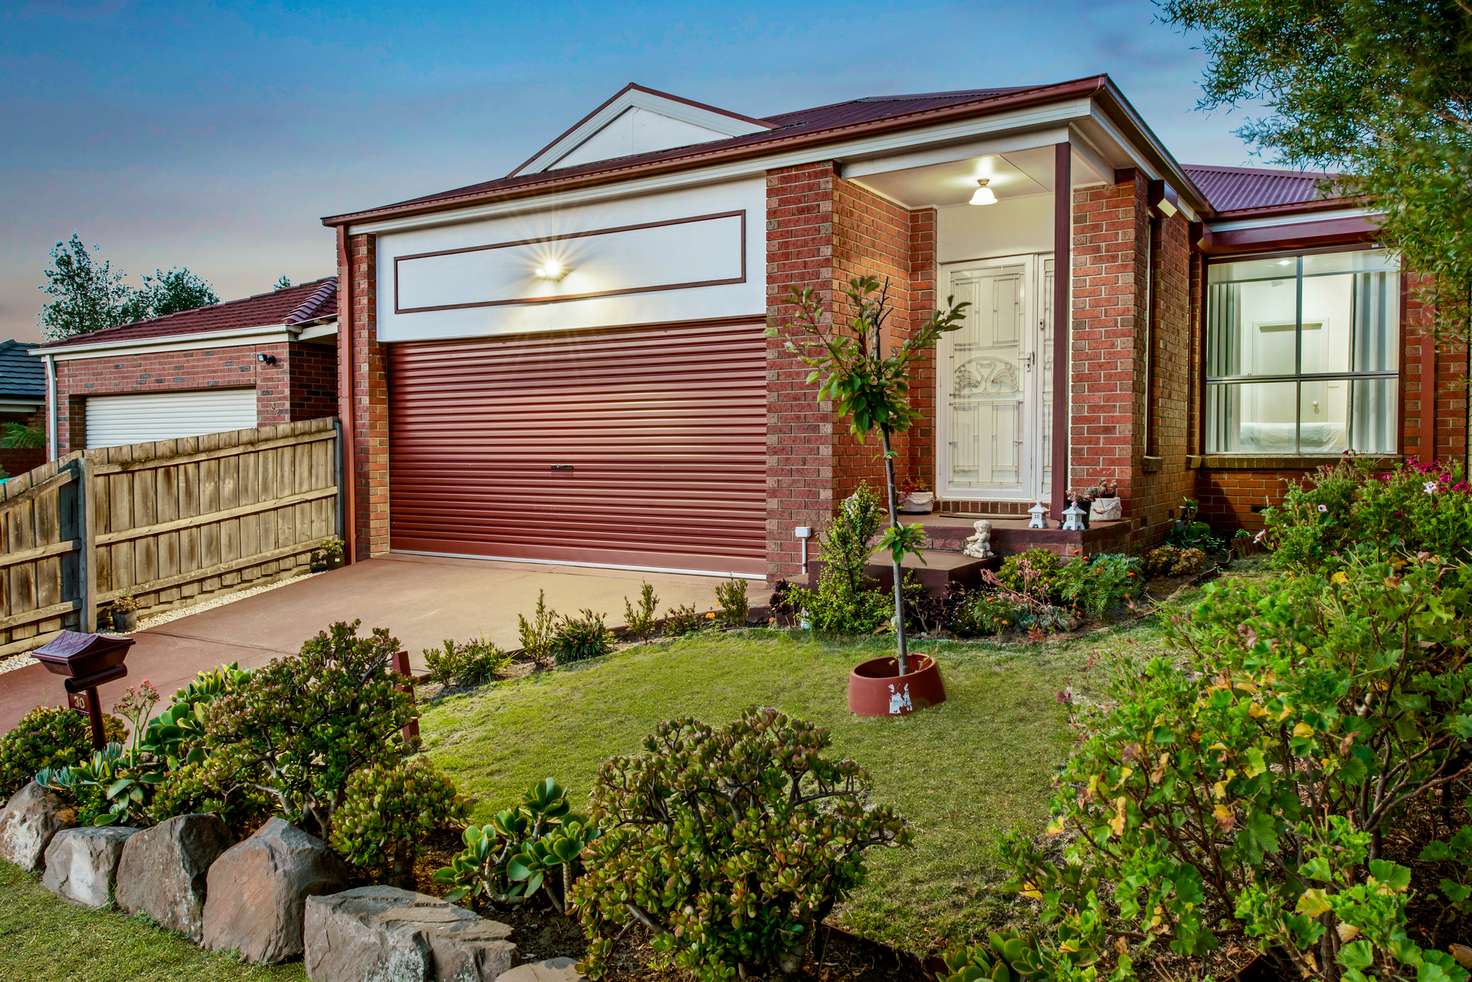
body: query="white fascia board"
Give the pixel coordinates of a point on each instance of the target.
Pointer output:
(1277, 221)
(637, 99)
(14, 405)
(231, 338)
(1046, 116)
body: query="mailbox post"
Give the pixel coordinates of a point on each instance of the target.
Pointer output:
(85, 661)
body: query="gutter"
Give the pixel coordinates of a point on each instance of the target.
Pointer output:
(229, 337)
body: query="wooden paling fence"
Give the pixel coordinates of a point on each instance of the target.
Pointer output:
(162, 523)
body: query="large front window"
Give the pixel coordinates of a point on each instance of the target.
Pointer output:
(1301, 354)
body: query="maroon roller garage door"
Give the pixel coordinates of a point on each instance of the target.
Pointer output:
(632, 447)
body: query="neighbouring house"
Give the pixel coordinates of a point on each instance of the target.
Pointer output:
(22, 401)
(270, 358)
(569, 363)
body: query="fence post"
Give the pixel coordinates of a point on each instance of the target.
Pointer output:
(86, 559)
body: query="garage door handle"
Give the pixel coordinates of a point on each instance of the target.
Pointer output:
(562, 467)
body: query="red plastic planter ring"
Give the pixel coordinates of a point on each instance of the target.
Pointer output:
(876, 689)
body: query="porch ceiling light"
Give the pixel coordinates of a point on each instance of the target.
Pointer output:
(983, 195)
(551, 269)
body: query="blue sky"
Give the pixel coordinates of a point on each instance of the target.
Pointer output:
(216, 135)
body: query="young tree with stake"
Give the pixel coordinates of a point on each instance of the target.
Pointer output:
(872, 388)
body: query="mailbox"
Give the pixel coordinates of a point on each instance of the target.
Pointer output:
(85, 661)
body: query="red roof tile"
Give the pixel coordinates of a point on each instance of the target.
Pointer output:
(1238, 188)
(288, 307)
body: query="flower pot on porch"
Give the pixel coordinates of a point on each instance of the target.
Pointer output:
(918, 503)
(1106, 509)
(125, 621)
(875, 687)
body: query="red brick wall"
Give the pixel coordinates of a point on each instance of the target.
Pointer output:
(871, 237)
(369, 397)
(17, 462)
(313, 371)
(1160, 483)
(291, 389)
(800, 430)
(1108, 304)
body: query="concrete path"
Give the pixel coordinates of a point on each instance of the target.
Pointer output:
(422, 601)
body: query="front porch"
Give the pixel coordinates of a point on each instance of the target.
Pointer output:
(1015, 411)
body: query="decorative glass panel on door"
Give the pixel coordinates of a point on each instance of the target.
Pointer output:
(984, 381)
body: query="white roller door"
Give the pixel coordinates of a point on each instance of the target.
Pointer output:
(115, 420)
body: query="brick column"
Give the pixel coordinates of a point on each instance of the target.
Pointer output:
(1109, 271)
(369, 392)
(799, 428)
(922, 378)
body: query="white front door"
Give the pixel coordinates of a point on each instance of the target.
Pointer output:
(994, 385)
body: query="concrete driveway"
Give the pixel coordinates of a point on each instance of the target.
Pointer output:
(422, 601)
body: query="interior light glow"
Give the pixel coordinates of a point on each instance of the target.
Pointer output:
(551, 269)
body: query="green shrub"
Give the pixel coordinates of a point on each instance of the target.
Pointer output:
(1095, 586)
(1411, 509)
(848, 600)
(85, 784)
(1169, 560)
(986, 614)
(1034, 574)
(532, 850)
(679, 621)
(1270, 786)
(48, 737)
(642, 621)
(536, 632)
(730, 845)
(1188, 533)
(207, 786)
(388, 813)
(580, 638)
(733, 602)
(457, 665)
(302, 726)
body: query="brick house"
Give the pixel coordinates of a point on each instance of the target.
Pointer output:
(568, 364)
(270, 358)
(22, 401)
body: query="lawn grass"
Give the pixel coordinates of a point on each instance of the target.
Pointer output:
(963, 773)
(42, 937)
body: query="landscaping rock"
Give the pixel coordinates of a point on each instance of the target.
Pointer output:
(81, 864)
(551, 970)
(163, 871)
(256, 891)
(384, 934)
(32, 816)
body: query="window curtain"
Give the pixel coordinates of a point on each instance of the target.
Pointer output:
(1223, 358)
(1371, 413)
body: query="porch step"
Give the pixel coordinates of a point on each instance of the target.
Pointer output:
(1010, 534)
(936, 572)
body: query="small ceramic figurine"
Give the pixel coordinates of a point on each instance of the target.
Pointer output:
(1073, 518)
(979, 546)
(1039, 515)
